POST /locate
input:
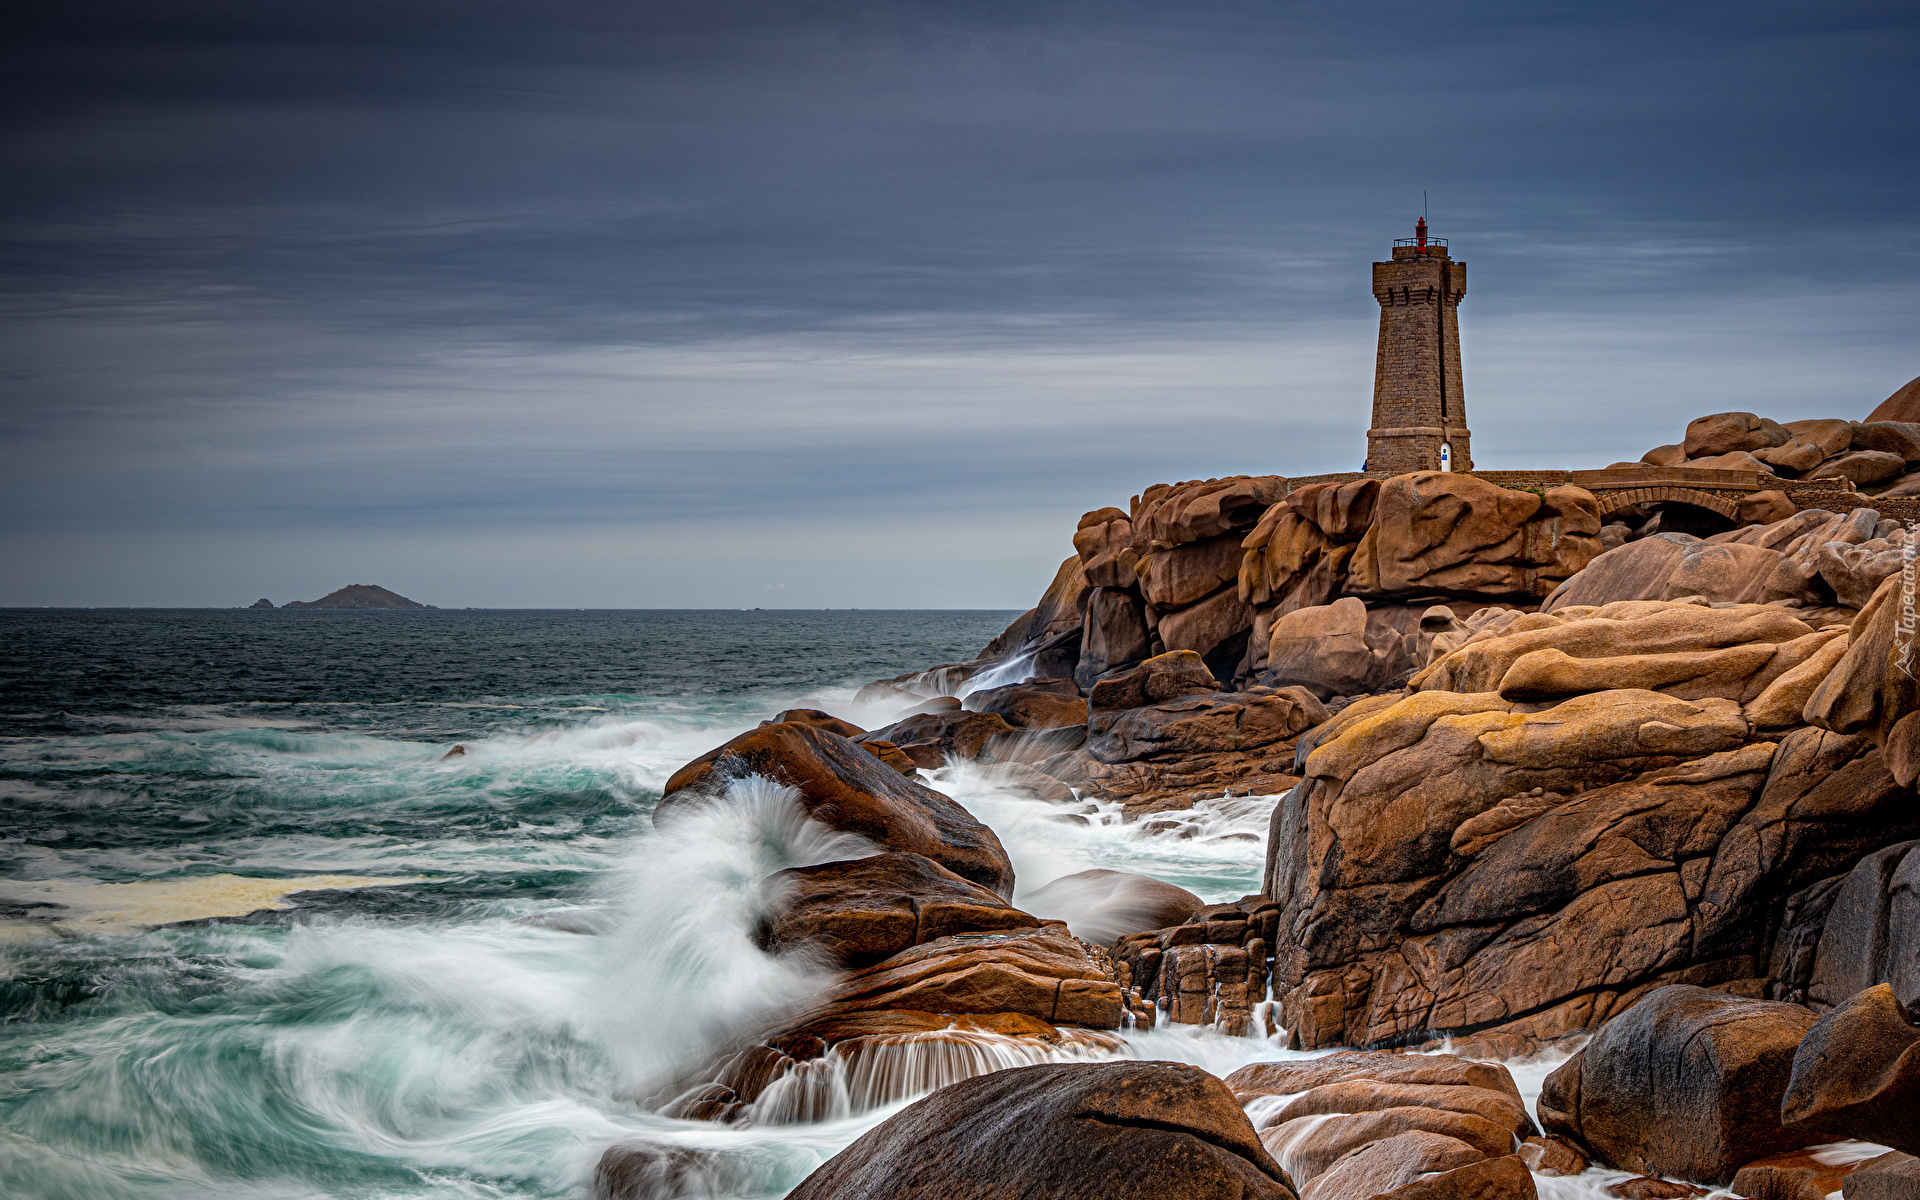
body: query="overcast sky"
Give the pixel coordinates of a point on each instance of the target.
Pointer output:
(715, 304)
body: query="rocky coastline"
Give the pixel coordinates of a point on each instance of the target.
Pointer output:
(1628, 783)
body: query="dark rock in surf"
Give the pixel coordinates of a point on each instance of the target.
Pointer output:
(844, 787)
(930, 739)
(1115, 1131)
(885, 751)
(660, 1171)
(1857, 1074)
(858, 912)
(1889, 1177)
(1802, 1176)
(1100, 905)
(1201, 724)
(1036, 704)
(1687, 1083)
(818, 719)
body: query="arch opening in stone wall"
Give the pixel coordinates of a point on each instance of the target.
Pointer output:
(1680, 510)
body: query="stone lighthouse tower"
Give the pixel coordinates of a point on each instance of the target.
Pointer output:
(1419, 409)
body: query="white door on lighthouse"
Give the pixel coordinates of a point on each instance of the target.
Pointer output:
(1446, 456)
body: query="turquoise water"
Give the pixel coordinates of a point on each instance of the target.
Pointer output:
(260, 936)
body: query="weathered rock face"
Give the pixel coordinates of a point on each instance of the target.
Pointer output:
(1870, 690)
(858, 912)
(1685, 650)
(1686, 1083)
(1036, 704)
(1452, 862)
(846, 788)
(1903, 405)
(1101, 905)
(1161, 678)
(1857, 1073)
(1893, 1176)
(1210, 970)
(1724, 433)
(1435, 532)
(1232, 721)
(987, 996)
(642, 1170)
(1331, 651)
(1114, 1131)
(1869, 921)
(1425, 1165)
(1813, 559)
(1447, 1111)
(930, 739)
(1799, 1175)
(1116, 636)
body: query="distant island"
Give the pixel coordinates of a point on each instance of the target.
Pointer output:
(354, 595)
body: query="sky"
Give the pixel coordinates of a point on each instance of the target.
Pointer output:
(790, 304)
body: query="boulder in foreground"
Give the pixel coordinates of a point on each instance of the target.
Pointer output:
(1111, 1131)
(1857, 1074)
(1687, 1083)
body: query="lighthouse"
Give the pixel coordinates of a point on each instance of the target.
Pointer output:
(1419, 406)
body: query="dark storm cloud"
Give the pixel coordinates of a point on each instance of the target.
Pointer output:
(369, 272)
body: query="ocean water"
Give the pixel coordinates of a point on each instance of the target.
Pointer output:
(261, 936)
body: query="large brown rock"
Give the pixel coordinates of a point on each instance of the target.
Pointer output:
(1800, 1175)
(846, 788)
(1180, 513)
(1423, 1165)
(1903, 405)
(1035, 704)
(1180, 575)
(1111, 1131)
(1687, 1083)
(930, 739)
(1215, 628)
(1116, 635)
(1857, 1074)
(1724, 433)
(1297, 555)
(1893, 1176)
(1455, 534)
(1228, 721)
(858, 912)
(1687, 650)
(1043, 973)
(1100, 905)
(1454, 862)
(1870, 930)
(1305, 1148)
(1808, 444)
(1329, 650)
(1104, 542)
(1161, 678)
(1861, 467)
(1346, 1066)
(1870, 689)
(1898, 438)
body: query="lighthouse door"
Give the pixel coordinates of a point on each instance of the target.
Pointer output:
(1446, 456)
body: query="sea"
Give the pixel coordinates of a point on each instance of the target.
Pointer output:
(308, 903)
